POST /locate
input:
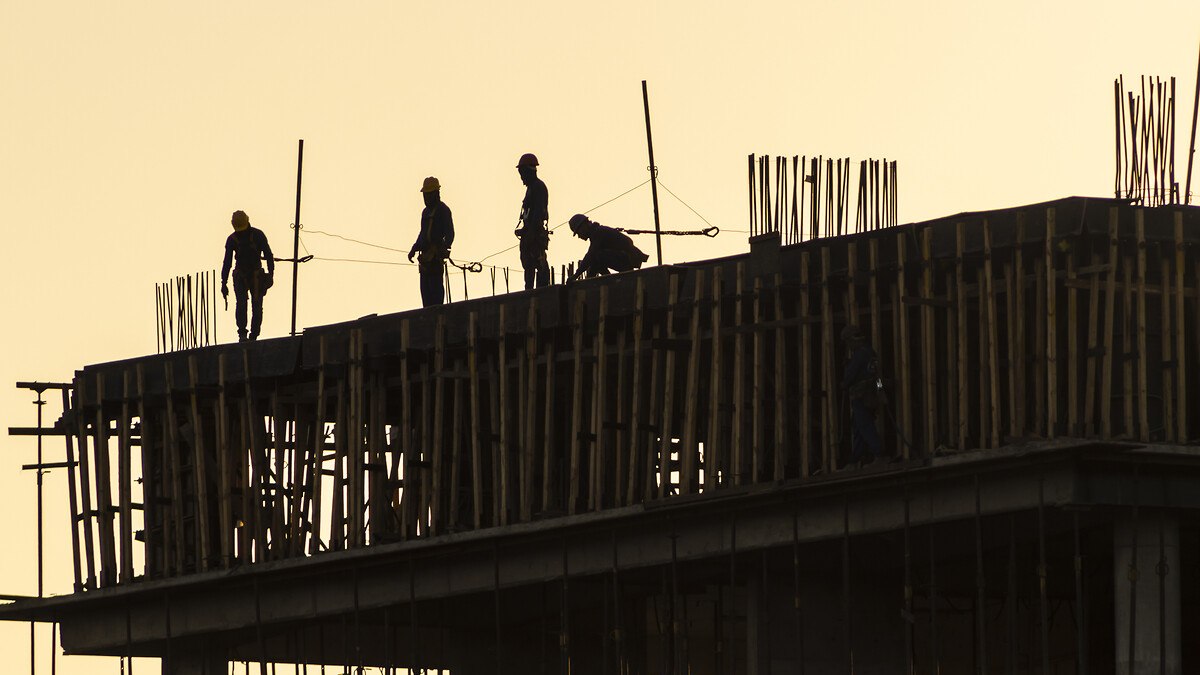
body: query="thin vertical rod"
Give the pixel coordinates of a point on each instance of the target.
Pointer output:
(1187, 186)
(296, 232)
(653, 174)
(981, 598)
(1080, 649)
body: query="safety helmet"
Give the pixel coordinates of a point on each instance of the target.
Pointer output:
(578, 223)
(852, 333)
(527, 160)
(240, 220)
(431, 184)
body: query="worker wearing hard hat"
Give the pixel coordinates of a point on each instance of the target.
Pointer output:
(248, 245)
(609, 249)
(432, 246)
(532, 229)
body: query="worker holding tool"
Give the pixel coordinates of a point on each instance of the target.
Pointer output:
(532, 227)
(860, 381)
(609, 249)
(432, 246)
(249, 246)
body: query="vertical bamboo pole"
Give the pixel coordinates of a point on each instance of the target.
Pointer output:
(577, 430)
(1072, 341)
(929, 340)
(317, 472)
(1020, 362)
(551, 448)
(151, 486)
(456, 420)
(125, 481)
(1142, 359)
(437, 496)
(831, 437)
(108, 552)
(985, 415)
(1089, 389)
(782, 413)
(1110, 295)
(964, 414)
(1051, 329)
(529, 447)
(224, 489)
(85, 480)
(904, 386)
(637, 433)
(739, 380)
(667, 425)
(1167, 364)
(1181, 406)
(804, 356)
(172, 427)
(476, 427)
(424, 478)
(199, 469)
(505, 456)
(714, 444)
(689, 449)
(278, 434)
(1127, 346)
(993, 367)
(758, 392)
(599, 400)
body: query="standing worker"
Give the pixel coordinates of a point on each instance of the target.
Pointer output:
(860, 380)
(532, 230)
(249, 246)
(609, 249)
(432, 246)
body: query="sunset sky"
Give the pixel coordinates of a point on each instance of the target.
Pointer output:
(131, 131)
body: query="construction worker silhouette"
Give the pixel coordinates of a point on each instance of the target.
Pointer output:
(609, 249)
(860, 381)
(532, 229)
(248, 245)
(432, 246)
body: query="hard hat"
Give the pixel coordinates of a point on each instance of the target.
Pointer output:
(527, 160)
(578, 222)
(431, 184)
(240, 220)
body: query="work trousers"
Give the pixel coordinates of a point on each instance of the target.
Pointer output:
(865, 444)
(433, 289)
(602, 261)
(533, 259)
(248, 285)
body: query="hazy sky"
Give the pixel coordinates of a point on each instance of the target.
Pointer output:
(131, 131)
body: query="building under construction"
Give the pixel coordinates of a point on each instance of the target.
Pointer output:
(647, 473)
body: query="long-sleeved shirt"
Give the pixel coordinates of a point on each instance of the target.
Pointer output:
(603, 238)
(437, 229)
(860, 371)
(249, 247)
(535, 207)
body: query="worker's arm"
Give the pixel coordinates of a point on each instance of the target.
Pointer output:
(448, 230)
(266, 249)
(228, 261)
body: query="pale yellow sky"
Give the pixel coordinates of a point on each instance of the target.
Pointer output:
(131, 130)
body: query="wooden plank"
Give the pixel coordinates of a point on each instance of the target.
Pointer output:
(199, 468)
(599, 455)
(108, 549)
(474, 394)
(737, 440)
(172, 428)
(317, 472)
(666, 428)
(1143, 390)
(831, 438)
(993, 365)
(714, 444)
(637, 435)
(900, 312)
(963, 399)
(782, 411)
(1110, 296)
(759, 389)
(689, 448)
(577, 429)
(125, 481)
(1051, 329)
(1181, 418)
(929, 342)
(804, 356)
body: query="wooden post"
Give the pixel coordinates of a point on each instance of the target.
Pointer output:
(1128, 349)
(993, 367)
(577, 429)
(964, 414)
(738, 435)
(125, 481)
(782, 413)
(804, 356)
(151, 487)
(1167, 364)
(437, 495)
(224, 488)
(1051, 330)
(1110, 296)
(529, 446)
(199, 469)
(904, 386)
(552, 449)
(637, 434)
(1072, 348)
(759, 391)
(505, 456)
(456, 419)
(85, 480)
(832, 399)
(108, 552)
(1089, 389)
(1020, 362)
(599, 400)
(172, 429)
(318, 451)
(621, 426)
(929, 340)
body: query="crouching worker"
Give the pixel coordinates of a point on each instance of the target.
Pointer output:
(432, 246)
(249, 246)
(860, 380)
(608, 250)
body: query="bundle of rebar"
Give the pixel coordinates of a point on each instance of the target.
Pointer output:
(778, 201)
(1145, 142)
(185, 311)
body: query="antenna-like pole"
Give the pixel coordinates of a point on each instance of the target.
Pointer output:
(296, 237)
(653, 174)
(1187, 187)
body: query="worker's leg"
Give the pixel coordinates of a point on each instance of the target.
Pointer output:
(256, 307)
(240, 291)
(543, 272)
(864, 426)
(433, 291)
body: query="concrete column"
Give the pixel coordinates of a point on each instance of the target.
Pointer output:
(1157, 542)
